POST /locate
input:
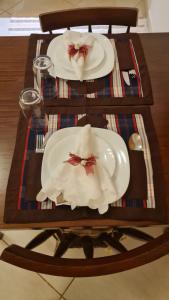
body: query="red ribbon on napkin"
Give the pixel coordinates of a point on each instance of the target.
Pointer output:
(87, 163)
(83, 50)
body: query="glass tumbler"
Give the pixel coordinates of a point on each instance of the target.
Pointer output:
(31, 104)
(41, 66)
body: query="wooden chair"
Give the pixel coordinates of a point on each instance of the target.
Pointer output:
(37, 262)
(89, 16)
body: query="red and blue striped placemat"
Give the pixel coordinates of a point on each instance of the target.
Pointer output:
(123, 120)
(128, 85)
(123, 124)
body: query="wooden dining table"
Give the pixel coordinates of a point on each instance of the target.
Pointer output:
(13, 53)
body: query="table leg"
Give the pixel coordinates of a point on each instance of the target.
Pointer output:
(1, 235)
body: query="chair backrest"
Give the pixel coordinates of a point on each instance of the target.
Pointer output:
(89, 16)
(38, 262)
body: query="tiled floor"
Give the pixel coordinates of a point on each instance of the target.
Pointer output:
(16, 283)
(144, 283)
(31, 8)
(149, 282)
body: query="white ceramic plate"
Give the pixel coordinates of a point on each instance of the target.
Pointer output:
(112, 152)
(100, 63)
(57, 152)
(58, 54)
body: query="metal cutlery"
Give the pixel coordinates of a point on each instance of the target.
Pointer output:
(135, 142)
(39, 143)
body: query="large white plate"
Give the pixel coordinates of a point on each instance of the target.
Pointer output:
(57, 152)
(114, 149)
(100, 63)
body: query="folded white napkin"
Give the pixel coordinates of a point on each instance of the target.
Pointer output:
(79, 186)
(77, 40)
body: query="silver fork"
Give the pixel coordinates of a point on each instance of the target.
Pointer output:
(39, 143)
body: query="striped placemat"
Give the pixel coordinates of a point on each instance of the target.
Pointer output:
(21, 206)
(122, 86)
(123, 124)
(118, 83)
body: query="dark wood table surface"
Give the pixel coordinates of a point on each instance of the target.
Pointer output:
(13, 53)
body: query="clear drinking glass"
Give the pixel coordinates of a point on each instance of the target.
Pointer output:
(41, 66)
(31, 104)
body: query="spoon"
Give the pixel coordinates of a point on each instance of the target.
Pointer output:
(135, 142)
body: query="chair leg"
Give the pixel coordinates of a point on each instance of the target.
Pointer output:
(40, 238)
(112, 241)
(135, 233)
(87, 244)
(72, 240)
(65, 242)
(1, 235)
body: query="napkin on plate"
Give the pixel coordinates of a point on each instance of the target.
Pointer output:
(124, 54)
(137, 189)
(33, 171)
(78, 46)
(82, 179)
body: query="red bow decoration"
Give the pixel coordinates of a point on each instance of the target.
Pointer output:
(87, 163)
(83, 50)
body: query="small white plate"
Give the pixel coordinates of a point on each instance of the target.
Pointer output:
(100, 63)
(113, 154)
(58, 54)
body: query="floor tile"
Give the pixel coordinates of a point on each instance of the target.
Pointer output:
(154, 230)
(121, 3)
(74, 3)
(134, 3)
(95, 3)
(7, 4)
(5, 14)
(149, 282)
(19, 284)
(58, 282)
(62, 283)
(131, 243)
(31, 9)
(22, 237)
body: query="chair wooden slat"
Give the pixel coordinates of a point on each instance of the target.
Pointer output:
(109, 30)
(90, 28)
(128, 29)
(89, 16)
